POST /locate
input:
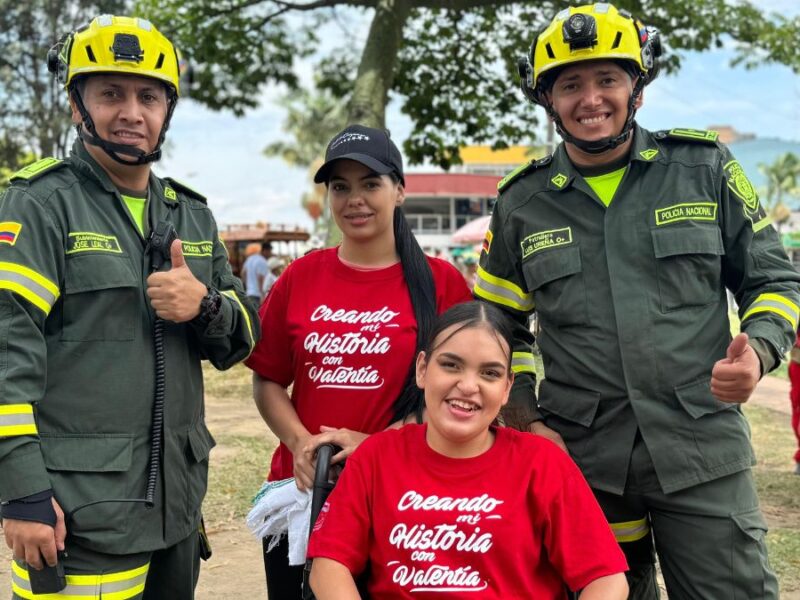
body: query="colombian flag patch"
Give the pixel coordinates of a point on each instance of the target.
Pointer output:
(487, 242)
(9, 232)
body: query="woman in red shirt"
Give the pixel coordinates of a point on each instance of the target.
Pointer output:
(458, 508)
(343, 325)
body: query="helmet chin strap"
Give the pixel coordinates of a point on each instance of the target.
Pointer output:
(605, 144)
(88, 133)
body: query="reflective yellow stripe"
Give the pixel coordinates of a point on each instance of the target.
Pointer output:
(502, 292)
(232, 294)
(776, 304)
(765, 222)
(15, 430)
(17, 419)
(36, 289)
(522, 362)
(31, 274)
(110, 586)
(630, 531)
(16, 409)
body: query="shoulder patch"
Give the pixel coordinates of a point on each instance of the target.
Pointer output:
(37, 169)
(522, 170)
(172, 185)
(703, 136)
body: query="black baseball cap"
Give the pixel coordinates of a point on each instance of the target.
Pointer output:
(371, 147)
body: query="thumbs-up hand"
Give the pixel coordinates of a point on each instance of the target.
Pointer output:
(176, 294)
(734, 378)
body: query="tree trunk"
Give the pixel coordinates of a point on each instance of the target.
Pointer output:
(374, 79)
(378, 61)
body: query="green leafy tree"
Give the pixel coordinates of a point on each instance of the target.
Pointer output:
(451, 64)
(35, 118)
(312, 118)
(12, 158)
(783, 182)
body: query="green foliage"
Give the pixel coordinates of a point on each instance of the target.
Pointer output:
(35, 116)
(313, 118)
(455, 71)
(12, 158)
(783, 182)
(232, 52)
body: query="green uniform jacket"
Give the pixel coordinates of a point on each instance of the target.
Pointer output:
(632, 307)
(77, 358)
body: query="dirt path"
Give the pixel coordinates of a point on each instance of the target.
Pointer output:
(236, 570)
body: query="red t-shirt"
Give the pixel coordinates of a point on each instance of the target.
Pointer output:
(345, 338)
(515, 522)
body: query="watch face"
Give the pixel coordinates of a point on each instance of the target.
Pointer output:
(210, 304)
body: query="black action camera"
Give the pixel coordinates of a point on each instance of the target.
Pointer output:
(580, 31)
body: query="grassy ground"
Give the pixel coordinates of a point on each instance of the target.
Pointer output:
(779, 491)
(241, 459)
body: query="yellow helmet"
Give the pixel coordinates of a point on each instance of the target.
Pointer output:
(591, 32)
(120, 45)
(111, 44)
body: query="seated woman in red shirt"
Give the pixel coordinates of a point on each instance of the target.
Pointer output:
(459, 508)
(344, 324)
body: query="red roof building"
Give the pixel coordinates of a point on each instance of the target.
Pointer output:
(437, 204)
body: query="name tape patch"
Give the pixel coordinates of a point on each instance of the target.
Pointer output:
(87, 241)
(688, 211)
(204, 248)
(545, 239)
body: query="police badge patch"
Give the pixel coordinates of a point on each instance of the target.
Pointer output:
(740, 185)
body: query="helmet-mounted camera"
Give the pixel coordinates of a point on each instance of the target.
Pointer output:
(580, 31)
(126, 47)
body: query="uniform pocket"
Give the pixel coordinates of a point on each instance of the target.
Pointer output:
(89, 467)
(570, 411)
(556, 279)
(697, 400)
(749, 555)
(198, 448)
(101, 299)
(573, 404)
(688, 262)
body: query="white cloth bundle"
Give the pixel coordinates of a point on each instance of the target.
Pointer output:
(279, 509)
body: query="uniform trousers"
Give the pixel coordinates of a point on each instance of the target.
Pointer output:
(710, 538)
(168, 574)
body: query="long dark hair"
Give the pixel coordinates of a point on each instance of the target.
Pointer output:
(422, 290)
(469, 315)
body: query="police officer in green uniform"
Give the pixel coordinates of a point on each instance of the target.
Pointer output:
(623, 243)
(104, 322)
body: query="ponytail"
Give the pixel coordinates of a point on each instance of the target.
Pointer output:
(421, 288)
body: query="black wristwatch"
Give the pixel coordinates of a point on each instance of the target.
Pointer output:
(209, 306)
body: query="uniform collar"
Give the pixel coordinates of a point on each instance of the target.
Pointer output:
(645, 147)
(562, 172)
(85, 163)
(164, 193)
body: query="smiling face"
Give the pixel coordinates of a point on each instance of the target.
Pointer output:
(363, 202)
(125, 109)
(466, 380)
(591, 98)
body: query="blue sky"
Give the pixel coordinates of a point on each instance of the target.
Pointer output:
(221, 155)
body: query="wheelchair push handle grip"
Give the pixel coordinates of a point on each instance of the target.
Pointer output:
(322, 486)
